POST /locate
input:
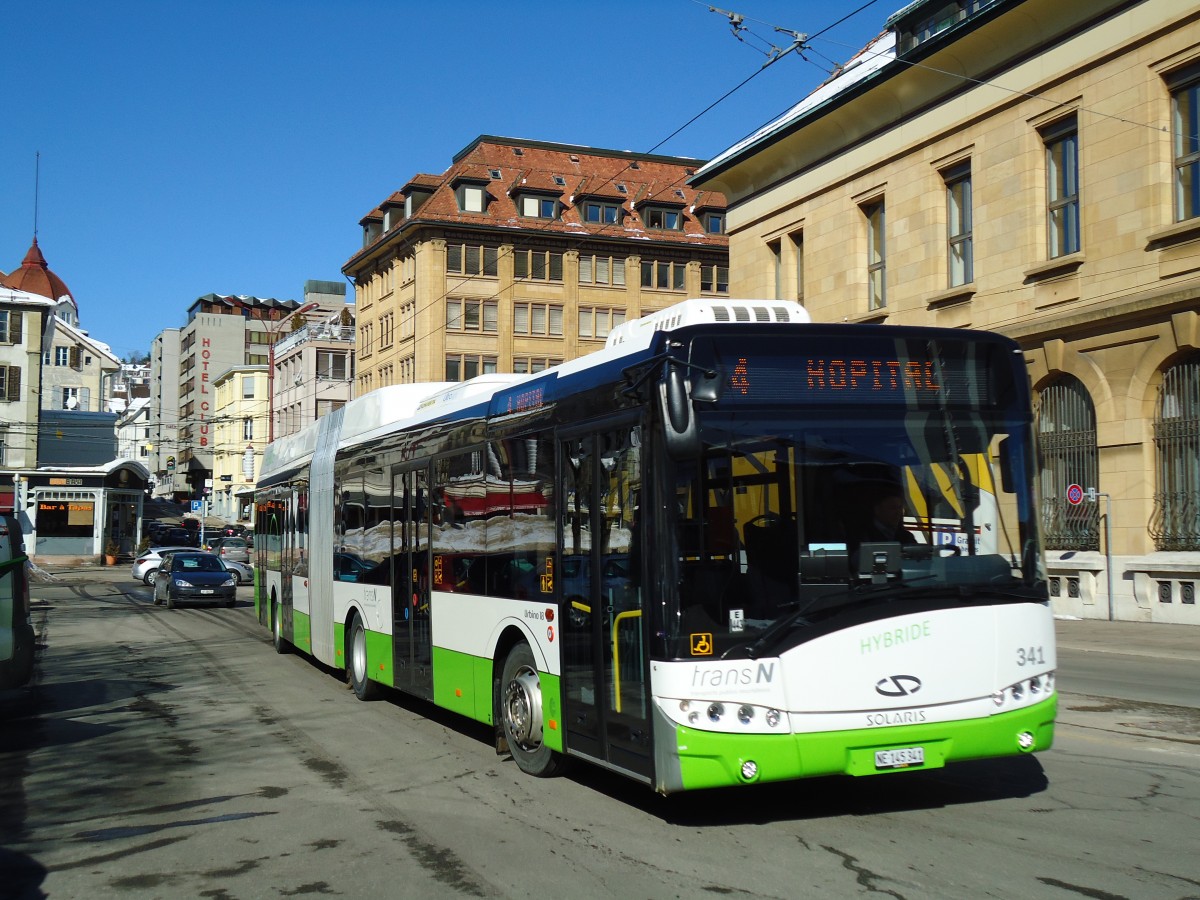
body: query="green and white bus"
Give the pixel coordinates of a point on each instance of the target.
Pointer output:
(653, 557)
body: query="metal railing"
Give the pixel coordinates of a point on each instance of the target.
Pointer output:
(1175, 521)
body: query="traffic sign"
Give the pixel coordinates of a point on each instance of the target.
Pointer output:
(197, 505)
(1074, 494)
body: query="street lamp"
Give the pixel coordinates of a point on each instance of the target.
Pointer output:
(311, 305)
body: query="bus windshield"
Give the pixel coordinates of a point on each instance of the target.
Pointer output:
(794, 523)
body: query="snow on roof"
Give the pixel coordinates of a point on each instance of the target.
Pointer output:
(865, 63)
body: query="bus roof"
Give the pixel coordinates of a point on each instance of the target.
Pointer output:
(381, 411)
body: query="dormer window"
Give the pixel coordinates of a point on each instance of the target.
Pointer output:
(414, 198)
(663, 218)
(495, 174)
(714, 223)
(533, 206)
(371, 232)
(560, 181)
(596, 212)
(471, 196)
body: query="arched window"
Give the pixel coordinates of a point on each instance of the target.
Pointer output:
(1066, 430)
(1175, 523)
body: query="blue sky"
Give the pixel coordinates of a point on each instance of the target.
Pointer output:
(232, 147)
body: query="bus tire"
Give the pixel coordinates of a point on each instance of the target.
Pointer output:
(277, 639)
(356, 662)
(521, 715)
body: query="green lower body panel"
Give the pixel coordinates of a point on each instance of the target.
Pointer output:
(463, 684)
(708, 759)
(301, 631)
(380, 658)
(339, 645)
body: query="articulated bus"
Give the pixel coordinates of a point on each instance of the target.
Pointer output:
(657, 557)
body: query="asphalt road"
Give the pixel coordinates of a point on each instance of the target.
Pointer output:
(173, 754)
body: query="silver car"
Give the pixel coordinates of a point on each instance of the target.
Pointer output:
(232, 548)
(243, 571)
(148, 560)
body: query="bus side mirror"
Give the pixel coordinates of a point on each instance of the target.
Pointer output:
(680, 433)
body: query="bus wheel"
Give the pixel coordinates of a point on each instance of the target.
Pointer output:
(356, 670)
(521, 714)
(277, 639)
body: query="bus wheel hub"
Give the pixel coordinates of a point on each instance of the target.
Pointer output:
(523, 708)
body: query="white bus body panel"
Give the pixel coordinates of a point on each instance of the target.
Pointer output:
(928, 667)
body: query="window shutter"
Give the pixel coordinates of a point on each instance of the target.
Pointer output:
(85, 399)
(75, 357)
(14, 326)
(57, 397)
(14, 383)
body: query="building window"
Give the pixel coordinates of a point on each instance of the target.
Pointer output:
(1062, 187)
(597, 323)
(663, 219)
(71, 398)
(776, 248)
(470, 198)
(538, 319)
(248, 383)
(798, 254)
(465, 366)
(538, 265)
(876, 255)
(714, 279)
(467, 259)
(598, 213)
(10, 326)
(1066, 434)
(1185, 125)
(959, 224)
(248, 428)
(539, 207)
(601, 270)
(10, 383)
(331, 365)
(471, 315)
(526, 365)
(1175, 522)
(714, 223)
(664, 276)
(62, 356)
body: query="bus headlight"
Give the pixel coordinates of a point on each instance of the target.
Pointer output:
(749, 770)
(716, 711)
(773, 716)
(745, 714)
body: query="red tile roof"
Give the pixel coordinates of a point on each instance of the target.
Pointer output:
(35, 277)
(587, 173)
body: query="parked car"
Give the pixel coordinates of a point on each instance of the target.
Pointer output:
(193, 575)
(243, 571)
(148, 560)
(231, 548)
(176, 537)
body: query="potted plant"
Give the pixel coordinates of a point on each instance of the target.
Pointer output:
(110, 552)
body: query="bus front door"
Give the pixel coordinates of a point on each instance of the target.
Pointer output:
(413, 647)
(604, 673)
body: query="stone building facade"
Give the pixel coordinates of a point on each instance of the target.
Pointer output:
(1030, 167)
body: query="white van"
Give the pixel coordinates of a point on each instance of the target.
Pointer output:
(16, 627)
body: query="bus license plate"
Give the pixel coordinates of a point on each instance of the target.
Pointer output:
(898, 759)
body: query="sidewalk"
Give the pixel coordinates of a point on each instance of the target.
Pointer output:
(1129, 638)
